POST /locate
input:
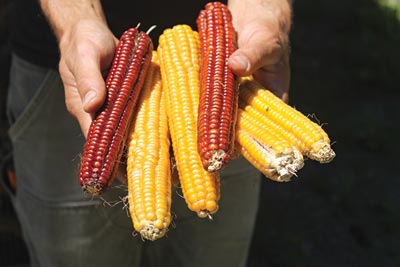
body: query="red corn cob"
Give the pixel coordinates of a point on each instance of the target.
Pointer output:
(106, 138)
(218, 87)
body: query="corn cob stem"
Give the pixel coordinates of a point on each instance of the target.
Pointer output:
(148, 160)
(179, 52)
(106, 138)
(308, 136)
(218, 87)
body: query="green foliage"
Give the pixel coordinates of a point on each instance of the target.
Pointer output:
(391, 4)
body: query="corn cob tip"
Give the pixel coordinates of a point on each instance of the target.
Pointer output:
(151, 232)
(321, 151)
(284, 166)
(204, 214)
(280, 167)
(216, 162)
(92, 188)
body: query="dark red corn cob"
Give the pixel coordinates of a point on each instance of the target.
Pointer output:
(106, 138)
(218, 87)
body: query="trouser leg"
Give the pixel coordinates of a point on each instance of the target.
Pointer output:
(62, 227)
(222, 241)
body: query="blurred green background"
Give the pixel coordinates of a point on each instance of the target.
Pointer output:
(345, 73)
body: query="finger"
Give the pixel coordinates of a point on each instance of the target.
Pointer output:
(257, 51)
(276, 77)
(73, 100)
(277, 81)
(84, 119)
(89, 80)
(74, 106)
(121, 174)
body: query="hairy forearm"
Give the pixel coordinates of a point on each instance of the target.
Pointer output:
(278, 11)
(64, 14)
(86, 46)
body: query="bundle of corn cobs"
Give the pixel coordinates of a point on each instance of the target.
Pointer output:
(182, 102)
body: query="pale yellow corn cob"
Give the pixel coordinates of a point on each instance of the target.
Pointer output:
(148, 160)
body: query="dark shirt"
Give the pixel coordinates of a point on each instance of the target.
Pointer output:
(32, 39)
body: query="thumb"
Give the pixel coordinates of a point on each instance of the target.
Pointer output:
(84, 120)
(254, 52)
(90, 82)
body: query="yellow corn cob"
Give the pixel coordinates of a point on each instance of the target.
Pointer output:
(316, 143)
(148, 160)
(264, 133)
(179, 50)
(267, 124)
(266, 149)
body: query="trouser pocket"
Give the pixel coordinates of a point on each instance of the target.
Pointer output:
(46, 139)
(53, 210)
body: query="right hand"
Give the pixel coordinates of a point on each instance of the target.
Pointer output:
(86, 50)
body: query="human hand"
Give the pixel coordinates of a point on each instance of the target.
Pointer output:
(86, 51)
(263, 51)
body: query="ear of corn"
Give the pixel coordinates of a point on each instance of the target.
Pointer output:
(179, 50)
(106, 138)
(266, 149)
(148, 160)
(259, 130)
(267, 124)
(308, 136)
(218, 87)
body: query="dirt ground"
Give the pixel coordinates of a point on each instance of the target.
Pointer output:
(346, 213)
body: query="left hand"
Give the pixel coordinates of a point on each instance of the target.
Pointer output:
(263, 50)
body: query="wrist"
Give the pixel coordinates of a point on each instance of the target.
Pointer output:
(85, 30)
(63, 15)
(272, 13)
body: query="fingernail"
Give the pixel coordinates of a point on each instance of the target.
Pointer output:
(89, 97)
(242, 62)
